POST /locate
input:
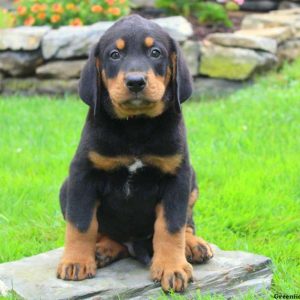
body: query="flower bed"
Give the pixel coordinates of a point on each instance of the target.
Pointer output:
(68, 12)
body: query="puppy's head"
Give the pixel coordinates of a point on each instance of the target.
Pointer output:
(135, 69)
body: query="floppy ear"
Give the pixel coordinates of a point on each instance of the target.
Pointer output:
(90, 80)
(181, 78)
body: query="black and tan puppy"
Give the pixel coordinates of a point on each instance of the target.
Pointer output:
(131, 188)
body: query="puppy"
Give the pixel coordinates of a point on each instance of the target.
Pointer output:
(131, 188)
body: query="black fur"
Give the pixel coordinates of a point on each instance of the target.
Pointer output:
(130, 218)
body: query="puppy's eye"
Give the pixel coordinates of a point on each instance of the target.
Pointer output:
(115, 55)
(155, 53)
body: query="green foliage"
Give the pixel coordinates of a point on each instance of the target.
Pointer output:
(245, 150)
(206, 12)
(68, 12)
(232, 6)
(213, 13)
(6, 19)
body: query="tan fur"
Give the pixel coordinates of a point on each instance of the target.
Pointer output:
(120, 44)
(173, 60)
(167, 164)
(197, 250)
(192, 200)
(154, 92)
(108, 163)
(78, 260)
(108, 251)
(149, 41)
(156, 86)
(169, 264)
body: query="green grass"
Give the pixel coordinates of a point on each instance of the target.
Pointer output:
(245, 149)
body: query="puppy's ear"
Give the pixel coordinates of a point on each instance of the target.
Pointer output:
(90, 80)
(182, 85)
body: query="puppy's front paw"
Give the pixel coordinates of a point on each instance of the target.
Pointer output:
(173, 275)
(76, 269)
(197, 250)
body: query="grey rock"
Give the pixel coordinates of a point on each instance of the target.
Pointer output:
(7, 4)
(257, 21)
(69, 41)
(22, 38)
(142, 3)
(191, 52)
(233, 63)
(291, 11)
(279, 34)
(177, 26)
(228, 273)
(61, 69)
(289, 50)
(244, 41)
(213, 88)
(20, 63)
(288, 5)
(32, 85)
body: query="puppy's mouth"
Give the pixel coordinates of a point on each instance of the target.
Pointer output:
(137, 102)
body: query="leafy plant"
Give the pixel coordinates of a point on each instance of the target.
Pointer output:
(68, 12)
(6, 19)
(213, 13)
(205, 11)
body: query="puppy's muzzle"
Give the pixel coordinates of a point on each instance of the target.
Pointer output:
(135, 82)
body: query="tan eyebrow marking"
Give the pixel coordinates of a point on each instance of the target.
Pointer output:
(149, 41)
(120, 43)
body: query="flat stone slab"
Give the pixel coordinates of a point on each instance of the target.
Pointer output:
(228, 273)
(280, 34)
(233, 63)
(244, 41)
(22, 38)
(61, 69)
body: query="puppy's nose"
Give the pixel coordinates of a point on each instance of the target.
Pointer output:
(135, 82)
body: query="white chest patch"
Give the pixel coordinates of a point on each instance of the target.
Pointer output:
(135, 166)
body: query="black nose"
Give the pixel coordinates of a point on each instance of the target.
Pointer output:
(135, 82)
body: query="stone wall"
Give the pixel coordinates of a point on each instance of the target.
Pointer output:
(45, 60)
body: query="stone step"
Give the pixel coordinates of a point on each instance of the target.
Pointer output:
(229, 273)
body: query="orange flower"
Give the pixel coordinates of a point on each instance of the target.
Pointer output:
(76, 22)
(115, 11)
(41, 16)
(43, 7)
(35, 8)
(110, 2)
(57, 8)
(70, 6)
(96, 8)
(21, 10)
(29, 21)
(122, 1)
(55, 18)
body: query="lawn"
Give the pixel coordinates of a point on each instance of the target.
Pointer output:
(245, 149)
